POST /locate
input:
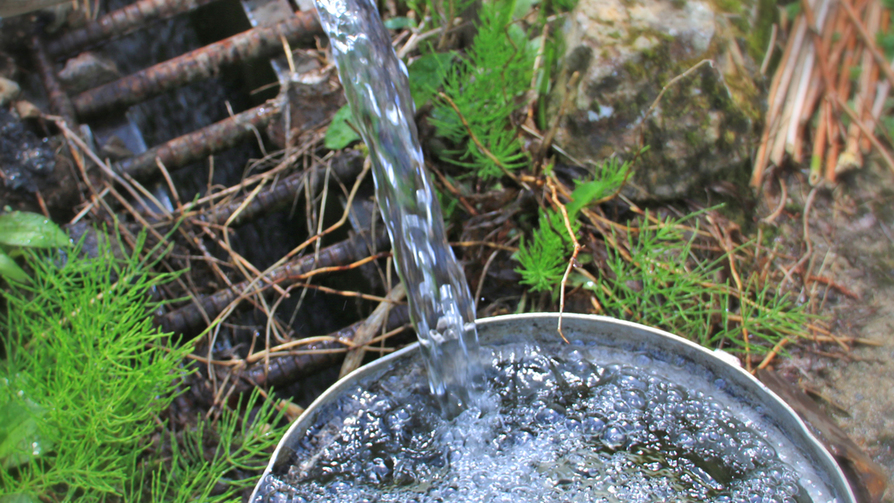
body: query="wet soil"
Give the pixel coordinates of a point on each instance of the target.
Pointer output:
(851, 236)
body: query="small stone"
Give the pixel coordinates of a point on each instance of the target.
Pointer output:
(86, 71)
(26, 109)
(8, 90)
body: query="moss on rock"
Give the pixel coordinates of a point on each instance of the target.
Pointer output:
(701, 129)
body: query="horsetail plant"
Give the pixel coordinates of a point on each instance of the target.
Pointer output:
(87, 377)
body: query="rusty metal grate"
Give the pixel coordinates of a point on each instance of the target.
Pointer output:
(139, 185)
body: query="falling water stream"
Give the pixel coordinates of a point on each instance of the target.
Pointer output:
(376, 85)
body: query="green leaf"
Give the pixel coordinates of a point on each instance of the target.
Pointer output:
(426, 75)
(30, 229)
(399, 23)
(793, 9)
(340, 134)
(517, 35)
(611, 177)
(18, 433)
(9, 269)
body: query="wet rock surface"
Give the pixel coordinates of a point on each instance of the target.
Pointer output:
(30, 170)
(25, 159)
(626, 52)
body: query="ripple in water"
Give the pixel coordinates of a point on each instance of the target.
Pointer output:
(552, 428)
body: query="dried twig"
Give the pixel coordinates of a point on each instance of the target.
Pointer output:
(368, 328)
(551, 183)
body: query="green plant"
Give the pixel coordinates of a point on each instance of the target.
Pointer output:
(658, 286)
(663, 283)
(20, 230)
(485, 84)
(226, 453)
(544, 257)
(85, 379)
(340, 134)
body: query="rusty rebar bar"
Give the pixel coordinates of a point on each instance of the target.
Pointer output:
(199, 144)
(196, 65)
(60, 104)
(287, 369)
(127, 19)
(345, 166)
(190, 316)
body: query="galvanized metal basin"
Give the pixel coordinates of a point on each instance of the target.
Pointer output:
(706, 371)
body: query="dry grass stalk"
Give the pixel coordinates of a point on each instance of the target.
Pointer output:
(814, 77)
(368, 329)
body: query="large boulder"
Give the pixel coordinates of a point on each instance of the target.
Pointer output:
(701, 131)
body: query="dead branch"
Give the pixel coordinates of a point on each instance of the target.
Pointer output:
(188, 318)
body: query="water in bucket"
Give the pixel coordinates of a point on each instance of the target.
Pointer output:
(561, 423)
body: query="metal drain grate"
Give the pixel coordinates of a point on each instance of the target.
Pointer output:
(139, 179)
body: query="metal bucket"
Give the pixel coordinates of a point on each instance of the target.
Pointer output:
(709, 371)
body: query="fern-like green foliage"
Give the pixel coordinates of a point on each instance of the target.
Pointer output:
(79, 354)
(662, 285)
(85, 379)
(227, 453)
(656, 287)
(485, 84)
(544, 257)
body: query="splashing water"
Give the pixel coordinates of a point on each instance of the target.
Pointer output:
(568, 424)
(377, 88)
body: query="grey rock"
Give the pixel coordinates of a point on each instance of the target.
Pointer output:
(700, 131)
(86, 71)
